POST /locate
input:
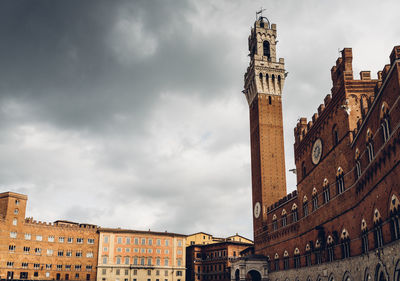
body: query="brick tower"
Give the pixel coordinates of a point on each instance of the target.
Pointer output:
(263, 85)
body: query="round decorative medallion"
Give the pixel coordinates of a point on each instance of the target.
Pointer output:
(316, 151)
(257, 210)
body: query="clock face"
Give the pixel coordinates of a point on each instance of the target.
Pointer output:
(257, 210)
(316, 151)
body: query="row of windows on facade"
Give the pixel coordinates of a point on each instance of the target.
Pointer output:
(142, 241)
(51, 238)
(50, 252)
(220, 276)
(135, 272)
(340, 188)
(25, 265)
(141, 250)
(212, 255)
(212, 268)
(140, 261)
(385, 134)
(344, 245)
(134, 279)
(24, 275)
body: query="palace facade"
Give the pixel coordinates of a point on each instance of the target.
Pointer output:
(342, 222)
(35, 250)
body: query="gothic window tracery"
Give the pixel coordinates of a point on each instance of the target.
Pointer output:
(294, 213)
(370, 146)
(314, 199)
(284, 217)
(340, 180)
(326, 193)
(378, 236)
(345, 239)
(385, 122)
(358, 164)
(331, 249)
(296, 258)
(305, 206)
(364, 237)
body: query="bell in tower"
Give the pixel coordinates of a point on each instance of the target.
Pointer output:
(263, 86)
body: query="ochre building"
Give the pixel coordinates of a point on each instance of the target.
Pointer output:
(133, 255)
(202, 238)
(342, 222)
(212, 261)
(37, 250)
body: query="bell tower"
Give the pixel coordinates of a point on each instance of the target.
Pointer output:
(263, 85)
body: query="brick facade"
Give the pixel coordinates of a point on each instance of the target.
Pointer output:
(346, 205)
(44, 251)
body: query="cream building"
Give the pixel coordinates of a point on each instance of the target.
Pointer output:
(131, 255)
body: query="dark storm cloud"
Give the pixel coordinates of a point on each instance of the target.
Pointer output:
(109, 108)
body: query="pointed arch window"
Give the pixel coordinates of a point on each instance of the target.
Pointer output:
(284, 217)
(345, 239)
(395, 217)
(295, 216)
(340, 180)
(296, 258)
(385, 122)
(378, 236)
(274, 223)
(317, 252)
(308, 255)
(305, 206)
(326, 192)
(331, 249)
(335, 135)
(370, 146)
(266, 49)
(364, 237)
(314, 199)
(286, 260)
(358, 164)
(276, 262)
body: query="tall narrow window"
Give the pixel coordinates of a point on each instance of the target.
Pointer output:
(335, 135)
(385, 122)
(314, 199)
(340, 181)
(269, 100)
(284, 218)
(286, 263)
(295, 216)
(326, 193)
(274, 223)
(370, 146)
(378, 236)
(266, 48)
(305, 206)
(345, 246)
(394, 217)
(308, 255)
(296, 258)
(364, 237)
(331, 249)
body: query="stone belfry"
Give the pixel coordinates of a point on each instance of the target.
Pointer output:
(263, 85)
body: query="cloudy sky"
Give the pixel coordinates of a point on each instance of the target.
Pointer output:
(130, 113)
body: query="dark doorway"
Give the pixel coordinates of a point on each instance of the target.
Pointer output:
(253, 275)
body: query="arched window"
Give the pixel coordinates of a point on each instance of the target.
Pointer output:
(358, 164)
(314, 199)
(395, 217)
(305, 206)
(364, 237)
(385, 122)
(285, 260)
(378, 229)
(295, 216)
(308, 255)
(296, 258)
(276, 262)
(317, 252)
(345, 239)
(331, 249)
(284, 217)
(326, 193)
(335, 135)
(303, 169)
(340, 180)
(370, 146)
(379, 273)
(266, 49)
(274, 222)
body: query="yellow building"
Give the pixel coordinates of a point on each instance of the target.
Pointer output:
(202, 238)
